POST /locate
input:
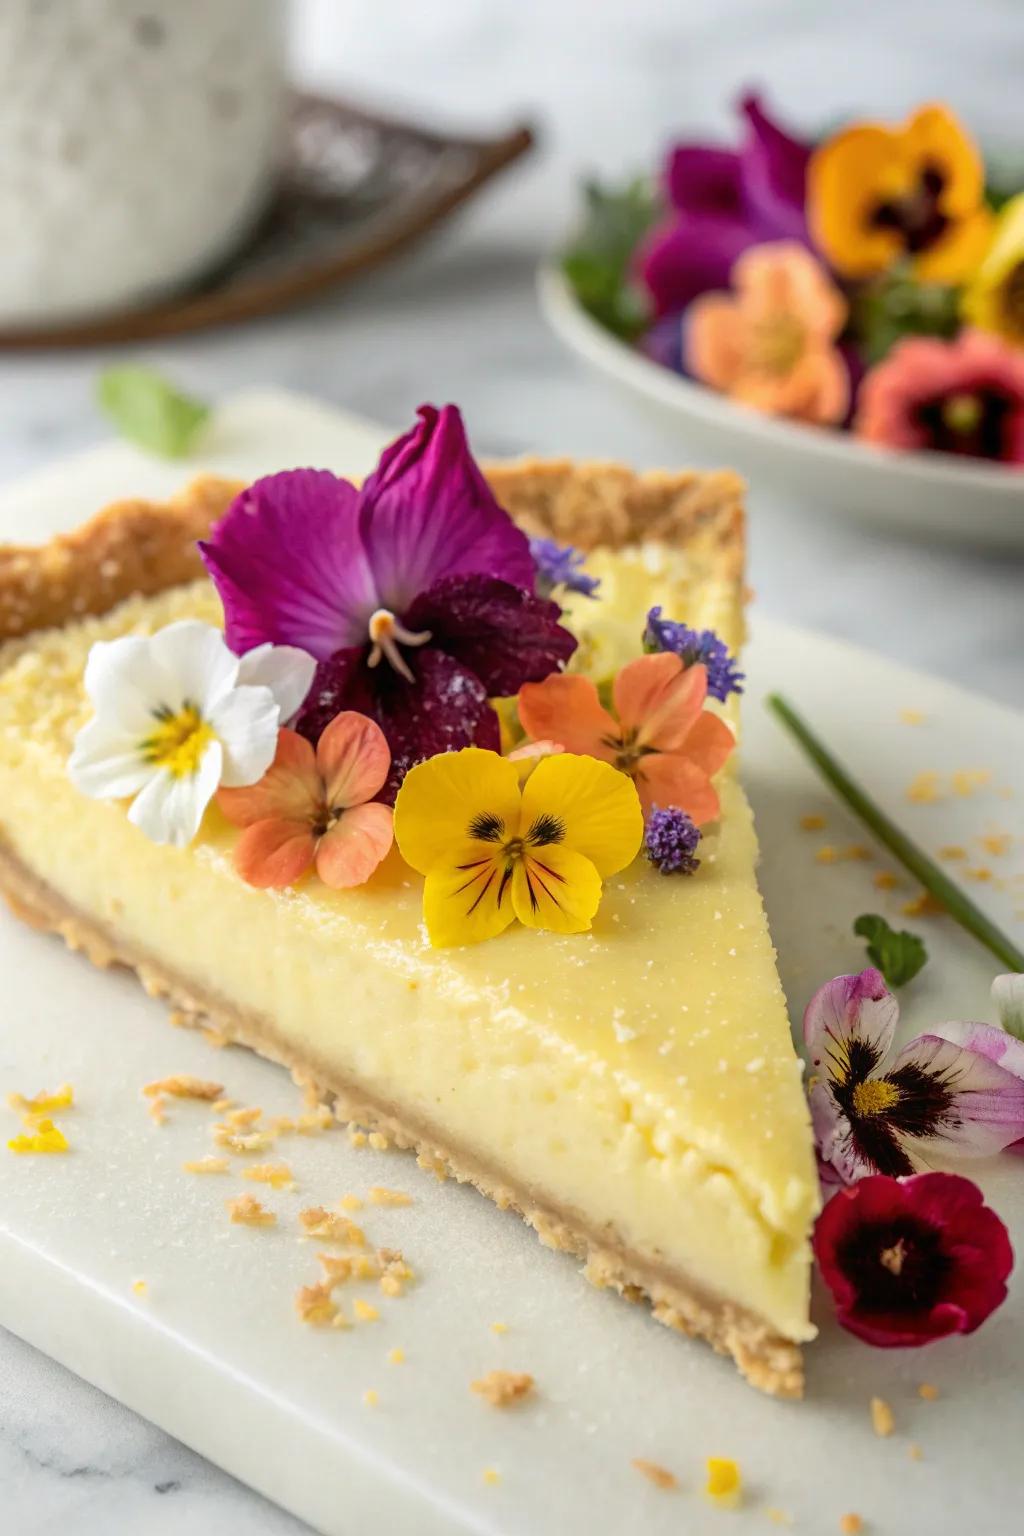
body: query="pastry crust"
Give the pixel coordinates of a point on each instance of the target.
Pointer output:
(143, 547)
(767, 1360)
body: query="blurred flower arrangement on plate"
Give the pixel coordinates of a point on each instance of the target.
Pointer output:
(871, 282)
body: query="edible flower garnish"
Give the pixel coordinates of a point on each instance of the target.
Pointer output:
(670, 841)
(560, 565)
(493, 850)
(771, 342)
(1008, 996)
(315, 808)
(660, 734)
(876, 194)
(911, 1260)
(177, 715)
(937, 1096)
(964, 396)
(695, 645)
(994, 299)
(722, 202)
(414, 593)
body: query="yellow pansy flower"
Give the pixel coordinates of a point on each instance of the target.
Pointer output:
(877, 195)
(493, 850)
(995, 299)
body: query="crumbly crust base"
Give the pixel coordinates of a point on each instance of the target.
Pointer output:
(135, 547)
(767, 1360)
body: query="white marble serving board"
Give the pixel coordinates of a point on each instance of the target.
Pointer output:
(213, 1352)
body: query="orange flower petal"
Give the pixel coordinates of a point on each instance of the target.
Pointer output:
(709, 744)
(354, 758)
(816, 389)
(350, 852)
(567, 709)
(715, 340)
(666, 778)
(783, 278)
(660, 699)
(274, 853)
(290, 790)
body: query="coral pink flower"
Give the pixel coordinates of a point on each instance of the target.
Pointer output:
(770, 344)
(660, 734)
(964, 396)
(911, 1260)
(316, 808)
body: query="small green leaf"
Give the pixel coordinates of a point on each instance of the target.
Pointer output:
(899, 956)
(896, 305)
(598, 261)
(148, 410)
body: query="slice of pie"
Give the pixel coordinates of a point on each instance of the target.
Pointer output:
(632, 1091)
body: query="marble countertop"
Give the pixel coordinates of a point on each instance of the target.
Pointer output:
(458, 320)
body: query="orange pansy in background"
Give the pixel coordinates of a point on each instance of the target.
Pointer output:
(316, 808)
(771, 343)
(660, 734)
(876, 195)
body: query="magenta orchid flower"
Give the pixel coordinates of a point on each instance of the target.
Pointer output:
(415, 593)
(721, 202)
(937, 1096)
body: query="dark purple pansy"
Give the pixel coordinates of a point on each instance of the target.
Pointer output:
(414, 593)
(723, 201)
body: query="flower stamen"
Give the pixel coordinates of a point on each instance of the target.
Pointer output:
(386, 634)
(178, 741)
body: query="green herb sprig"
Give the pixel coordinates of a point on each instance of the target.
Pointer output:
(899, 955)
(599, 259)
(148, 410)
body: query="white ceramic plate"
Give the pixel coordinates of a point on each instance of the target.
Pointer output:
(927, 494)
(212, 1351)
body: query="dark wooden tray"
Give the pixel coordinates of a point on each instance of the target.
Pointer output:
(357, 187)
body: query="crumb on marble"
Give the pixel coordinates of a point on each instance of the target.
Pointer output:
(810, 821)
(885, 880)
(434, 1165)
(44, 1102)
(365, 1311)
(924, 788)
(913, 716)
(966, 780)
(371, 1398)
(158, 1109)
(181, 1085)
(503, 1388)
(396, 1356)
(330, 1227)
(315, 1305)
(882, 1421)
(378, 1141)
(915, 1452)
(209, 1164)
(928, 1391)
(923, 905)
(350, 1203)
(998, 844)
(660, 1476)
(277, 1175)
(247, 1211)
(850, 1525)
(379, 1195)
(724, 1483)
(491, 1476)
(356, 1137)
(313, 1121)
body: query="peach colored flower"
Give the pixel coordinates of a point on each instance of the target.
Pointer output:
(660, 733)
(770, 343)
(964, 396)
(316, 808)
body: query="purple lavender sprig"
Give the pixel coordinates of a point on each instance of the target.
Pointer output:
(692, 646)
(560, 565)
(670, 841)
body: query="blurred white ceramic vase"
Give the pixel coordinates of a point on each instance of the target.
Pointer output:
(139, 142)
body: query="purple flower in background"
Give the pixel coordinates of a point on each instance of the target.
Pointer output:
(414, 593)
(693, 646)
(560, 565)
(723, 201)
(670, 841)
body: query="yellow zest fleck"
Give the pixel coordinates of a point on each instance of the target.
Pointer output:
(43, 1103)
(923, 905)
(207, 1165)
(882, 1421)
(158, 1109)
(242, 1142)
(499, 1327)
(371, 1398)
(337, 1267)
(924, 788)
(365, 1311)
(280, 1125)
(966, 780)
(220, 1105)
(328, 1227)
(139, 1287)
(44, 1136)
(215, 1038)
(811, 821)
(350, 1203)
(178, 742)
(997, 843)
(913, 716)
(661, 1477)
(491, 1476)
(857, 852)
(850, 1525)
(357, 1138)
(248, 1212)
(396, 1356)
(724, 1484)
(827, 854)
(245, 1118)
(378, 1195)
(503, 1388)
(182, 1086)
(277, 1175)
(928, 1391)
(315, 1305)
(378, 1141)
(885, 880)
(779, 1516)
(952, 852)
(314, 1121)
(915, 1452)
(981, 874)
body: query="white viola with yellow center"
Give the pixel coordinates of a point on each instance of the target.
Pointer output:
(177, 716)
(494, 849)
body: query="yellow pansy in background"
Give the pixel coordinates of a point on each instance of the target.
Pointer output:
(877, 195)
(994, 301)
(493, 850)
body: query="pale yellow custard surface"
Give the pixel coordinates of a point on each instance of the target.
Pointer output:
(640, 1077)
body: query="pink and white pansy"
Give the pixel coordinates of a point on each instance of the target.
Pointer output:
(949, 1092)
